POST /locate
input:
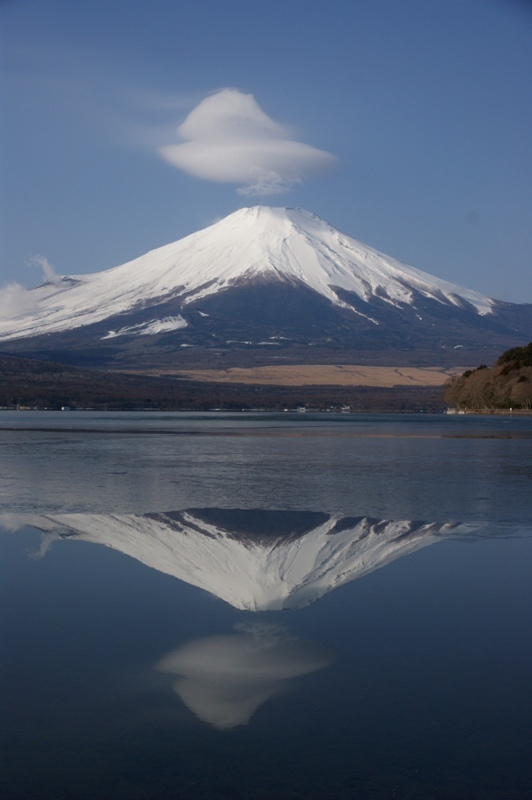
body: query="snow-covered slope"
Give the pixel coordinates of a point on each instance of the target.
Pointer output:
(250, 570)
(280, 244)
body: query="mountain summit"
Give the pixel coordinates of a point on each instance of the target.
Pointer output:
(262, 276)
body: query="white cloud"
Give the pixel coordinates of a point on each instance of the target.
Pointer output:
(15, 300)
(228, 138)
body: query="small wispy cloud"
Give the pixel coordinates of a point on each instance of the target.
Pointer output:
(48, 271)
(228, 138)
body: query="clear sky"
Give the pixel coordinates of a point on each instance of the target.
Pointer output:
(405, 123)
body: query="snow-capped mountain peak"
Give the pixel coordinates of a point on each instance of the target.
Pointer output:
(283, 245)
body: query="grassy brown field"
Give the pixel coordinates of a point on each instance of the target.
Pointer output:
(326, 375)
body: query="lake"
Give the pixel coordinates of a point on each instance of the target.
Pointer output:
(257, 605)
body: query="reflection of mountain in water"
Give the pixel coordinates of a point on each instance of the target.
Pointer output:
(255, 560)
(224, 679)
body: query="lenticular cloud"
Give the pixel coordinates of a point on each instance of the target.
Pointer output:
(228, 138)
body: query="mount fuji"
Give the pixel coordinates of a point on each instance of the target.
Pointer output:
(255, 560)
(262, 279)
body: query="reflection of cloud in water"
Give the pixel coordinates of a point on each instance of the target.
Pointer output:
(223, 680)
(16, 522)
(45, 545)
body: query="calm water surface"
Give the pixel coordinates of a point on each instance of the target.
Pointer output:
(266, 605)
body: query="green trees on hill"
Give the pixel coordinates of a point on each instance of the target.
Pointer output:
(517, 357)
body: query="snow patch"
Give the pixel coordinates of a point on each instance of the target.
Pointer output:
(147, 328)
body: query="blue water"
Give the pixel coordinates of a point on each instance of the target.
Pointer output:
(416, 676)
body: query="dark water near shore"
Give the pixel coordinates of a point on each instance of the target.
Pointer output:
(405, 671)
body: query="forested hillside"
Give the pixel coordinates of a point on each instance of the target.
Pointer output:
(508, 384)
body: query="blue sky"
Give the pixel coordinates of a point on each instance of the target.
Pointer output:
(405, 123)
